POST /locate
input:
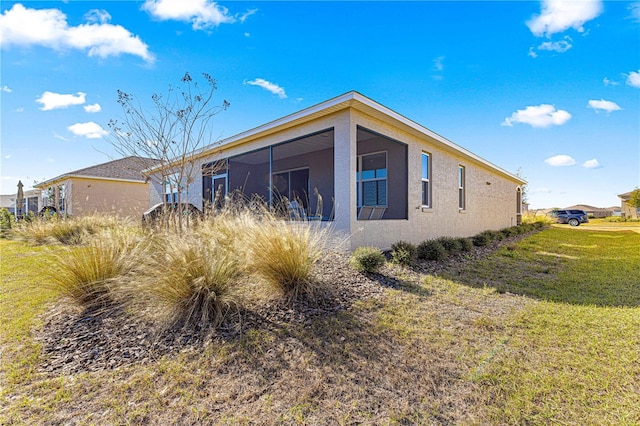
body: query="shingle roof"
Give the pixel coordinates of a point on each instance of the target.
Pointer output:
(128, 168)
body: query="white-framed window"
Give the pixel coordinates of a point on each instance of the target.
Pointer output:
(461, 188)
(372, 179)
(426, 179)
(170, 188)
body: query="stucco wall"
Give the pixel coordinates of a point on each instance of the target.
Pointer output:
(490, 195)
(124, 199)
(488, 206)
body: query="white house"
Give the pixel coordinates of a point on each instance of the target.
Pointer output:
(373, 174)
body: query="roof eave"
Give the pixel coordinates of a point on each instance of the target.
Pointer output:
(350, 99)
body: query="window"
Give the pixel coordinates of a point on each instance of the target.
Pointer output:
(292, 185)
(62, 200)
(426, 180)
(372, 179)
(461, 191)
(170, 189)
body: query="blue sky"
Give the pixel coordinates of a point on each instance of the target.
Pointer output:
(549, 88)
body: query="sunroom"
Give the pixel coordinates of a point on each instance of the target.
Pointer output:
(296, 178)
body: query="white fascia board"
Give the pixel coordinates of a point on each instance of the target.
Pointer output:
(65, 177)
(349, 99)
(423, 130)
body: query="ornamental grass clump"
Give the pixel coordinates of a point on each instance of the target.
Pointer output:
(189, 280)
(367, 259)
(89, 275)
(66, 230)
(282, 254)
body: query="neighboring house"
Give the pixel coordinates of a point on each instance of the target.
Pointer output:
(615, 210)
(31, 199)
(596, 212)
(376, 175)
(117, 187)
(627, 210)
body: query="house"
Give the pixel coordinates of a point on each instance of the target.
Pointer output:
(627, 210)
(376, 175)
(596, 212)
(31, 198)
(117, 187)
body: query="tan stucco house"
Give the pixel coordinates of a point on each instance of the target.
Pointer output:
(374, 175)
(627, 210)
(117, 187)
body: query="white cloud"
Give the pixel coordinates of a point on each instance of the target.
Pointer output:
(591, 164)
(633, 79)
(438, 63)
(49, 28)
(60, 137)
(532, 52)
(90, 130)
(608, 82)
(267, 85)
(50, 100)
(19, 109)
(248, 13)
(6, 89)
(538, 116)
(603, 105)
(560, 160)
(557, 16)
(542, 190)
(635, 11)
(247, 35)
(97, 16)
(556, 46)
(202, 14)
(7, 156)
(93, 108)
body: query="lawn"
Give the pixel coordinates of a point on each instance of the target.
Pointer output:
(543, 331)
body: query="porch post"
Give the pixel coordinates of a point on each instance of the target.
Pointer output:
(344, 150)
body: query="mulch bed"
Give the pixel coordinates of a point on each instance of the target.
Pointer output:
(75, 341)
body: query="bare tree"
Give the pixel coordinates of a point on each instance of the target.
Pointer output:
(172, 132)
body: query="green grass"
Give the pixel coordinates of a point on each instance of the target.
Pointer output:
(565, 265)
(544, 331)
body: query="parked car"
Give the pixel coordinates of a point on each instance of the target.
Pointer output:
(151, 216)
(572, 217)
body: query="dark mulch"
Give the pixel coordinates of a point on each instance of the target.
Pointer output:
(76, 341)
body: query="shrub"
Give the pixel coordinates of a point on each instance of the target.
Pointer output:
(403, 253)
(511, 231)
(495, 235)
(465, 244)
(529, 218)
(451, 244)
(367, 259)
(6, 219)
(481, 239)
(189, 280)
(432, 250)
(88, 274)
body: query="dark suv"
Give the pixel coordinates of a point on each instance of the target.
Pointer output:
(572, 217)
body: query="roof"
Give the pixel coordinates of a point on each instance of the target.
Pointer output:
(586, 207)
(626, 195)
(124, 169)
(353, 100)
